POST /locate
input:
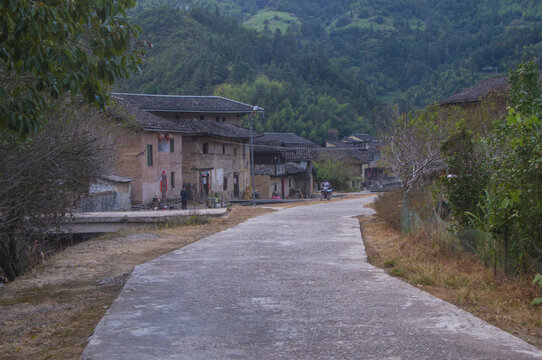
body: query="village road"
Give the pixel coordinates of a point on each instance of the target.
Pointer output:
(294, 284)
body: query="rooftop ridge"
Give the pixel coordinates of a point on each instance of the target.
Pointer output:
(186, 96)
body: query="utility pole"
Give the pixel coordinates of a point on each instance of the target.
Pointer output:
(252, 155)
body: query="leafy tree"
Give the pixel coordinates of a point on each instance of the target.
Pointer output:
(468, 175)
(497, 178)
(515, 212)
(51, 47)
(338, 173)
(525, 90)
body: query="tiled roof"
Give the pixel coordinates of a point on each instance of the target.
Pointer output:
(127, 109)
(285, 140)
(293, 168)
(222, 129)
(362, 137)
(188, 103)
(497, 85)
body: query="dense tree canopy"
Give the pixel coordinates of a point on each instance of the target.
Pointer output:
(412, 52)
(202, 53)
(52, 47)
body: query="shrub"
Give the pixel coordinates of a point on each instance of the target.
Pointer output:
(388, 207)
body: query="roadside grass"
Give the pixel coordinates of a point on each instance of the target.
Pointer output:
(457, 277)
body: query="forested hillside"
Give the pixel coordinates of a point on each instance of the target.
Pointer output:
(410, 52)
(202, 53)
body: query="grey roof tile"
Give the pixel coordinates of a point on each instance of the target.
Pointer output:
(187, 103)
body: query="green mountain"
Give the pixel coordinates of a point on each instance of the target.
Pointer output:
(332, 61)
(204, 53)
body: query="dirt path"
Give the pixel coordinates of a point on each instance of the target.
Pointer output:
(51, 312)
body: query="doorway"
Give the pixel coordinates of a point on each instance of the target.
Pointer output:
(236, 185)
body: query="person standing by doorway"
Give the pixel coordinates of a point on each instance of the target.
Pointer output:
(184, 196)
(163, 188)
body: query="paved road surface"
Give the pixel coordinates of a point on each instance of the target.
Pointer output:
(294, 284)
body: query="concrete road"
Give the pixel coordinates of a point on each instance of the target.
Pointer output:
(294, 284)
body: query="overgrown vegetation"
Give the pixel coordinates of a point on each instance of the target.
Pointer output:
(53, 55)
(457, 277)
(49, 48)
(338, 172)
(488, 178)
(501, 176)
(42, 177)
(409, 52)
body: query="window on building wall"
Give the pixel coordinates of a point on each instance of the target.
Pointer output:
(275, 186)
(149, 155)
(172, 145)
(223, 149)
(172, 181)
(163, 143)
(217, 119)
(223, 119)
(201, 117)
(225, 183)
(244, 150)
(205, 148)
(177, 117)
(290, 182)
(235, 151)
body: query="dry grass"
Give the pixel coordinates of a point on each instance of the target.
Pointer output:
(458, 278)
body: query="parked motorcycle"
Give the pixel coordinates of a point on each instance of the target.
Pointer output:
(326, 194)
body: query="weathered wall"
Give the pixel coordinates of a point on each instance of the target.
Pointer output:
(132, 163)
(107, 196)
(229, 118)
(264, 186)
(223, 159)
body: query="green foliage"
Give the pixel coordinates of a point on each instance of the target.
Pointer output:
(515, 189)
(48, 48)
(537, 281)
(525, 90)
(410, 51)
(296, 109)
(467, 173)
(203, 53)
(496, 179)
(390, 262)
(338, 173)
(273, 20)
(358, 53)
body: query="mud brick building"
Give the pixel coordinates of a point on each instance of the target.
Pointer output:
(147, 145)
(284, 165)
(210, 153)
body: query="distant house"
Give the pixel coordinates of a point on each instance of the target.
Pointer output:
(363, 152)
(496, 88)
(284, 165)
(214, 151)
